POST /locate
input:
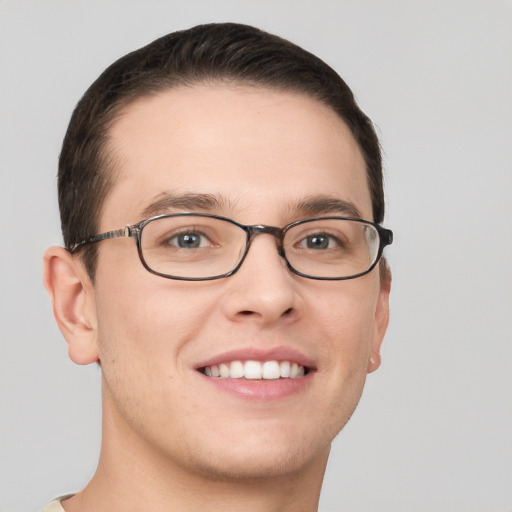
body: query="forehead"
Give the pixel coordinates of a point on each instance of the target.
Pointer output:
(258, 150)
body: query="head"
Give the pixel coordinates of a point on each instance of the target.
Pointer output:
(231, 121)
(224, 53)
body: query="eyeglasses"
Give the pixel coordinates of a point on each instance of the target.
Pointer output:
(201, 247)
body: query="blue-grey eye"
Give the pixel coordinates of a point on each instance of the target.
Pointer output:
(189, 240)
(317, 242)
(320, 241)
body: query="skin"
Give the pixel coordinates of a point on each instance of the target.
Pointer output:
(172, 440)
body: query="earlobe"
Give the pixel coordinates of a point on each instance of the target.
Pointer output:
(71, 293)
(374, 362)
(381, 322)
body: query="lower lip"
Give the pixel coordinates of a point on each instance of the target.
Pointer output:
(261, 389)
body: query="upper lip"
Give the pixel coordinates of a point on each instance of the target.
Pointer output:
(259, 354)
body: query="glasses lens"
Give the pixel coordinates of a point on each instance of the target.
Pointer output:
(192, 246)
(332, 248)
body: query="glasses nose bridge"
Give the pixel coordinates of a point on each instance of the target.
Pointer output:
(260, 229)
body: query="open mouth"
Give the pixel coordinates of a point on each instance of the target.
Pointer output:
(256, 370)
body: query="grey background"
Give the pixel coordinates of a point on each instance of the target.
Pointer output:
(433, 431)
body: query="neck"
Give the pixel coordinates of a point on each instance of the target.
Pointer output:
(132, 475)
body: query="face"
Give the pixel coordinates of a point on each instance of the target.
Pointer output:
(260, 154)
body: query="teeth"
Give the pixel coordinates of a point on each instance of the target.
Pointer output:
(256, 370)
(224, 370)
(236, 370)
(284, 368)
(271, 370)
(252, 370)
(295, 371)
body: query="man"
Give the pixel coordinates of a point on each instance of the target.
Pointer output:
(220, 196)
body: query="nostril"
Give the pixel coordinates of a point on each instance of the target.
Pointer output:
(288, 311)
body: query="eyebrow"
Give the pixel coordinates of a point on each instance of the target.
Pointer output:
(310, 206)
(324, 204)
(166, 202)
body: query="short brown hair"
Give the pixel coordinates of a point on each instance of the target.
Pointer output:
(224, 53)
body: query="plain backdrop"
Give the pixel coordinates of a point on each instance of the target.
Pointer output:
(433, 431)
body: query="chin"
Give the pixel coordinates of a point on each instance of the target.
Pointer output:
(258, 467)
(231, 448)
(260, 457)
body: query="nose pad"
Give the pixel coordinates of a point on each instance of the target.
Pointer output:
(263, 288)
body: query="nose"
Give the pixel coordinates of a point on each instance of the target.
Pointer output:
(263, 290)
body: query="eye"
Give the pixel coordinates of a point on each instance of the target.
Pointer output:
(189, 240)
(320, 241)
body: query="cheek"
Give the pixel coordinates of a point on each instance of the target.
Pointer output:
(145, 323)
(144, 329)
(144, 340)
(345, 321)
(346, 316)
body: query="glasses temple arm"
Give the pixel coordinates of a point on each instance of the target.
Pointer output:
(125, 232)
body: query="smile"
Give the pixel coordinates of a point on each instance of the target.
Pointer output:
(256, 370)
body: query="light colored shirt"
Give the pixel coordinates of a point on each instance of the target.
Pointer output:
(55, 505)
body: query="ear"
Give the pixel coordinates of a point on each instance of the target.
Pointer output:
(72, 295)
(381, 321)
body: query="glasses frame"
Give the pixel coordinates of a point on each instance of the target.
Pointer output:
(252, 231)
